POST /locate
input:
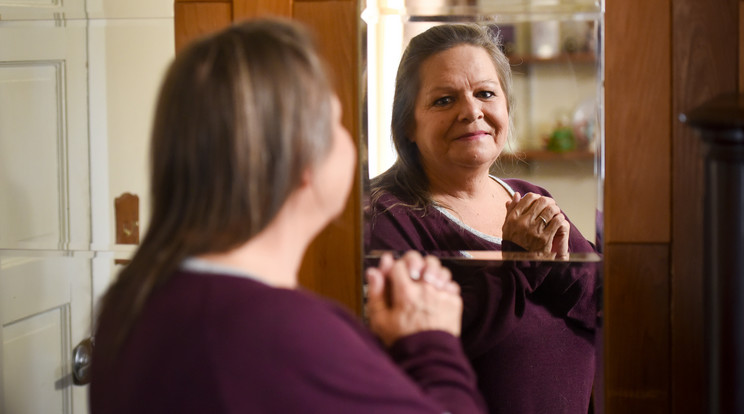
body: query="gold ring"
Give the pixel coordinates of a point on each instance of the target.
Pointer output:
(543, 220)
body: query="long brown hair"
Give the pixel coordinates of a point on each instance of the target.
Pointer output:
(241, 114)
(406, 178)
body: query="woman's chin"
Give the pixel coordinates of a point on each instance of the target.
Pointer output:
(476, 161)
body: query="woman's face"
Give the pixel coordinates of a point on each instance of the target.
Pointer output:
(461, 115)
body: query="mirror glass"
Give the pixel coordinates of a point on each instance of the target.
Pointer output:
(531, 322)
(554, 48)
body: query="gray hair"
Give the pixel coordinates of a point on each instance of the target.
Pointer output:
(241, 115)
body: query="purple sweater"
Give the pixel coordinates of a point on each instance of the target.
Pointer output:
(211, 343)
(528, 328)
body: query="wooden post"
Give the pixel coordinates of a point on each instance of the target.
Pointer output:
(720, 123)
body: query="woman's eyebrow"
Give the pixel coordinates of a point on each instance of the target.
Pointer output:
(448, 88)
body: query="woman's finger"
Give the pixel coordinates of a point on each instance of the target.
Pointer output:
(560, 240)
(539, 203)
(386, 263)
(415, 264)
(404, 271)
(452, 287)
(376, 298)
(525, 204)
(511, 204)
(435, 273)
(375, 281)
(400, 281)
(546, 216)
(556, 223)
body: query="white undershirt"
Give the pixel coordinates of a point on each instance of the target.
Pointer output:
(204, 266)
(487, 237)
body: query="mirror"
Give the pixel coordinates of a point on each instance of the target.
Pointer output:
(531, 321)
(556, 63)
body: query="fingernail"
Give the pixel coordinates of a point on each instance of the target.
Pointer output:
(430, 278)
(368, 274)
(415, 275)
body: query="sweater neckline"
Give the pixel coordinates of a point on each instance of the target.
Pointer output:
(196, 265)
(457, 221)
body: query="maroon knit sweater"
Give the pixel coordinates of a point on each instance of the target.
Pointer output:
(528, 328)
(211, 343)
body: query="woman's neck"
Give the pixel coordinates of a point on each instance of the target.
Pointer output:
(479, 203)
(275, 254)
(461, 185)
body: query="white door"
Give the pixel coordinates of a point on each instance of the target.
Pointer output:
(78, 82)
(45, 263)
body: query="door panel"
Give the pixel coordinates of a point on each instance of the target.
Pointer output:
(45, 304)
(32, 208)
(45, 268)
(41, 9)
(35, 338)
(43, 136)
(77, 95)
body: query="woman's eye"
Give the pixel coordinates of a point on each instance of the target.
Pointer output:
(485, 94)
(443, 101)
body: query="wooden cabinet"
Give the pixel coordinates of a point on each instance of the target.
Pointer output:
(662, 58)
(197, 18)
(333, 263)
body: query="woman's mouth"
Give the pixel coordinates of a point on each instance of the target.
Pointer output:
(471, 136)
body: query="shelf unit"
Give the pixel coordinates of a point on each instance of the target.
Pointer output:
(579, 57)
(544, 155)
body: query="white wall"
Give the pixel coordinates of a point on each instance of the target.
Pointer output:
(130, 46)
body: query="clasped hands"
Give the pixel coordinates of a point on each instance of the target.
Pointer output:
(410, 295)
(537, 224)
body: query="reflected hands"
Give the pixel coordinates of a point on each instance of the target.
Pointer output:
(537, 224)
(411, 295)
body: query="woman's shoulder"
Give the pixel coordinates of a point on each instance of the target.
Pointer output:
(244, 296)
(385, 199)
(236, 311)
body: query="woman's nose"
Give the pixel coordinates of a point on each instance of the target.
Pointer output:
(470, 109)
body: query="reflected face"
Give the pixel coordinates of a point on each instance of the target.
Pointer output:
(461, 114)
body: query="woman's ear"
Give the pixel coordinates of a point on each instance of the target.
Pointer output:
(305, 188)
(307, 177)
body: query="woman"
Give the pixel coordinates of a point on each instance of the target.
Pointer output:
(249, 162)
(528, 331)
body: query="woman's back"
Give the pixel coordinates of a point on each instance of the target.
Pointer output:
(220, 343)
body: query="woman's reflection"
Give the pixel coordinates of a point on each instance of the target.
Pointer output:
(527, 329)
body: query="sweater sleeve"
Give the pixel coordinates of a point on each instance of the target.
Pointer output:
(434, 360)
